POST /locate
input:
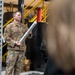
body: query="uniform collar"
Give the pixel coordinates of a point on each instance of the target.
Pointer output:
(16, 23)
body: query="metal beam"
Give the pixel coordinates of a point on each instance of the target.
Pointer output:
(21, 8)
(1, 23)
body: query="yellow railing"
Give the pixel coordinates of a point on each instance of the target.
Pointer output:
(3, 57)
(4, 45)
(34, 18)
(48, 13)
(33, 8)
(8, 22)
(29, 4)
(44, 13)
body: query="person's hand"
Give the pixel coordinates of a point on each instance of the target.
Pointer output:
(30, 32)
(17, 43)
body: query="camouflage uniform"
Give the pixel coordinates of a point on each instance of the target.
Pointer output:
(13, 32)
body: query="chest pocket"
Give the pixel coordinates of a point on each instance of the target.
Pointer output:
(16, 32)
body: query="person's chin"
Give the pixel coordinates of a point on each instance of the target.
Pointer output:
(20, 20)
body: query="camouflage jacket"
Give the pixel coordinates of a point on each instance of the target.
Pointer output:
(13, 32)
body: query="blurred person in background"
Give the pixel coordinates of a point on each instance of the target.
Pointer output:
(61, 36)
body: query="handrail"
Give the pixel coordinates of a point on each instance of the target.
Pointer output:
(44, 9)
(31, 20)
(36, 15)
(4, 45)
(3, 57)
(8, 22)
(46, 16)
(32, 8)
(47, 12)
(42, 13)
(29, 4)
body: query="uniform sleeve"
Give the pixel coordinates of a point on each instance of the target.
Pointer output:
(7, 36)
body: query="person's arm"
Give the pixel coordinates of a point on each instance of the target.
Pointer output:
(7, 35)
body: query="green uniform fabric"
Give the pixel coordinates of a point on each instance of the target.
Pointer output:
(14, 61)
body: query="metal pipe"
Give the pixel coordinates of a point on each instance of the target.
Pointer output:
(29, 4)
(3, 39)
(28, 31)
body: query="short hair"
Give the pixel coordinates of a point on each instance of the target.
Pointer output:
(16, 12)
